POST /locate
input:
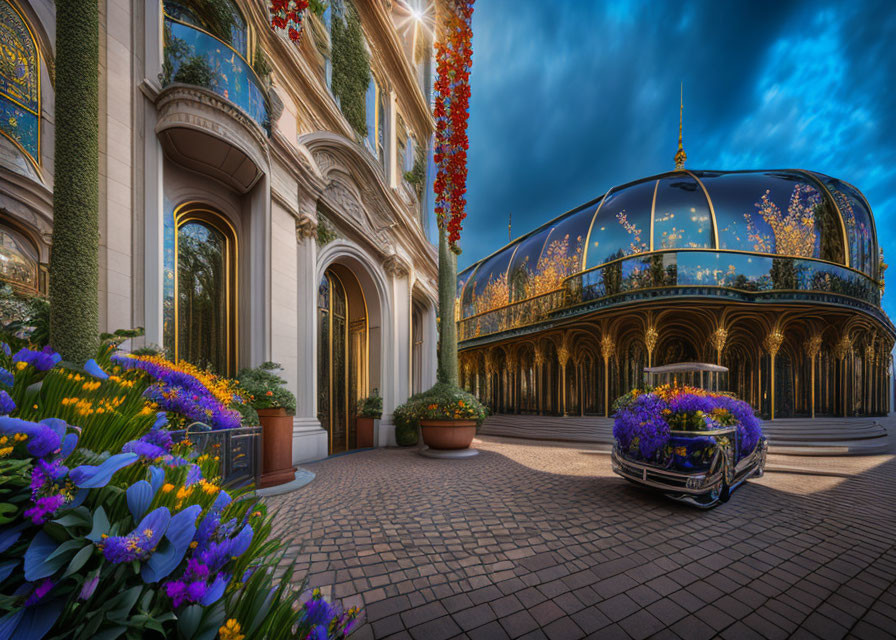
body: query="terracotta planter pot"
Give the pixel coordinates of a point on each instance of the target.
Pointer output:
(448, 434)
(276, 465)
(365, 432)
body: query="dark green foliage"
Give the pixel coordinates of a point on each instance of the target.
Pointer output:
(447, 370)
(351, 66)
(371, 406)
(416, 177)
(317, 7)
(24, 319)
(325, 233)
(261, 66)
(218, 17)
(266, 388)
(73, 261)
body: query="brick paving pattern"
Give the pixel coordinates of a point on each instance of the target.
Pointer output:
(534, 541)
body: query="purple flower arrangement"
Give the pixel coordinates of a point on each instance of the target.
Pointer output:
(183, 390)
(644, 421)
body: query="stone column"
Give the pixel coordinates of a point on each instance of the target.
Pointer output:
(539, 365)
(563, 359)
(395, 385)
(843, 348)
(512, 369)
(309, 439)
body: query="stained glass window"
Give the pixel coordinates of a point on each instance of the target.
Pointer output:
(18, 260)
(19, 82)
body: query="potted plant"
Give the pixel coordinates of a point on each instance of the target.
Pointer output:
(449, 417)
(275, 406)
(369, 409)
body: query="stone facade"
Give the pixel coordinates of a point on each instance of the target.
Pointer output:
(171, 151)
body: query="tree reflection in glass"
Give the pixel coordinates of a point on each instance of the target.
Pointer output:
(202, 296)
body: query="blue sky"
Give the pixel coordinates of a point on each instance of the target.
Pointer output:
(572, 97)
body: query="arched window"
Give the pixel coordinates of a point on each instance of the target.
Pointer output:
(19, 82)
(205, 289)
(19, 261)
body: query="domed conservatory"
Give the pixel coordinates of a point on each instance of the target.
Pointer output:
(776, 275)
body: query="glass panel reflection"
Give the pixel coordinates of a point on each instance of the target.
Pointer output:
(857, 218)
(18, 260)
(774, 212)
(202, 296)
(622, 226)
(681, 215)
(488, 289)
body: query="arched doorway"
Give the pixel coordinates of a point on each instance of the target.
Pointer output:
(205, 289)
(343, 355)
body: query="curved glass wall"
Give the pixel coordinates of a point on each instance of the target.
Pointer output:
(681, 215)
(779, 212)
(489, 289)
(859, 225)
(622, 224)
(222, 18)
(18, 260)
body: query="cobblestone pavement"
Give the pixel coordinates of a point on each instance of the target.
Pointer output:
(537, 541)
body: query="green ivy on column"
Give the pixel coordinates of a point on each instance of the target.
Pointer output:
(73, 261)
(351, 65)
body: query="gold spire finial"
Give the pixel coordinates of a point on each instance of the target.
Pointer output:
(680, 156)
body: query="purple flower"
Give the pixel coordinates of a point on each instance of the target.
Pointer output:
(44, 442)
(39, 592)
(194, 475)
(193, 585)
(44, 508)
(140, 543)
(143, 449)
(42, 360)
(7, 405)
(6, 377)
(89, 586)
(6, 348)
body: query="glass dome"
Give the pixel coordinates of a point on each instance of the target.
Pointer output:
(721, 216)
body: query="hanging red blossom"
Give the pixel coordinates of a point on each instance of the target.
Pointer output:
(288, 14)
(454, 54)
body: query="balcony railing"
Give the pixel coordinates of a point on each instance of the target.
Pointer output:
(699, 272)
(194, 56)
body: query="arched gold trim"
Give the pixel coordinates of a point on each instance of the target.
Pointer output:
(35, 161)
(845, 236)
(656, 186)
(591, 227)
(202, 212)
(712, 209)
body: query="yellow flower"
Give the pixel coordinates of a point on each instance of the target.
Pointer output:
(21, 365)
(167, 487)
(5, 451)
(230, 630)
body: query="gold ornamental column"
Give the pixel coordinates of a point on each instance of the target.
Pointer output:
(489, 374)
(512, 365)
(772, 344)
(813, 347)
(844, 347)
(607, 349)
(563, 360)
(719, 338)
(868, 379)
(539, 363)
(650, 338)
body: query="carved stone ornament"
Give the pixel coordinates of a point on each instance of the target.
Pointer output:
(813, 346)
(650, 338)
(607, 347)
(306, 227)
(843, 347)
(719, 338)
(773, 342)
(396, 266)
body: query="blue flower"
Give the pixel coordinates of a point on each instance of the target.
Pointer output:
(6, 348)
(91, 477)
(140, 543)
(42, 360)
(7, 405)
(6, 377)
(94, 369)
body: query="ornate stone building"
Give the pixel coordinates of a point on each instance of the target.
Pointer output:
(245, 215)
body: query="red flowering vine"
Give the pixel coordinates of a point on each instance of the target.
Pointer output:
(454, 53)
(288, 14)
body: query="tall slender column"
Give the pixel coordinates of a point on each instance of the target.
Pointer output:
(772, 344)
(844, 348)
(563, 359)
(813, 346)
(607, 349)
(512, 363)
(537, 383)
(650, 338)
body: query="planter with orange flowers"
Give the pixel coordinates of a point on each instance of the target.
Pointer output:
(275, 406)
(448, 417)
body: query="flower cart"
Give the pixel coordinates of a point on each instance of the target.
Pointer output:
(694, 444)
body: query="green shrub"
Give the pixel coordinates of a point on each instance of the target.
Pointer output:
(24, 319)
(265, 388)
(371, 406)
(441, 402)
